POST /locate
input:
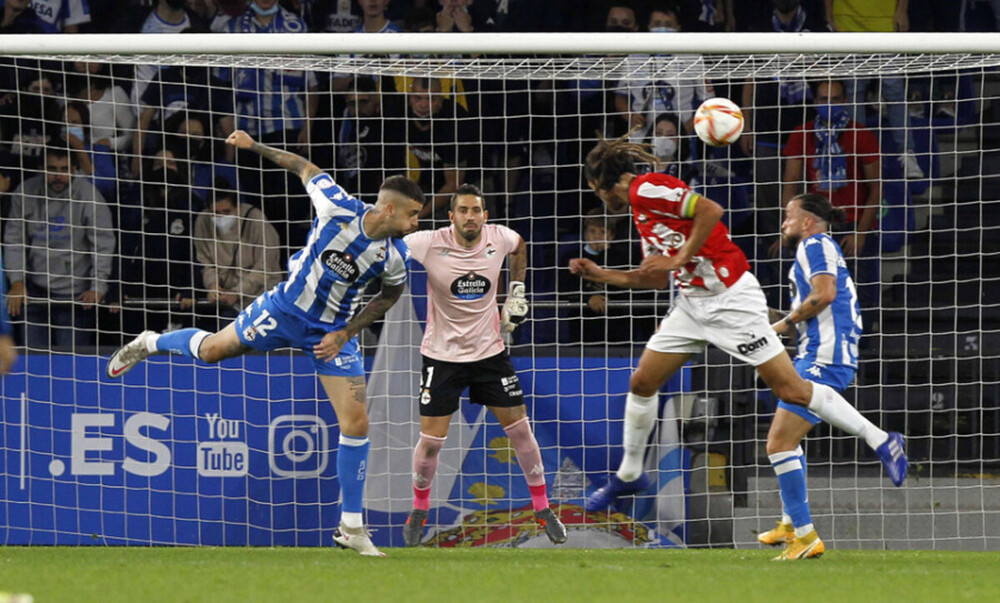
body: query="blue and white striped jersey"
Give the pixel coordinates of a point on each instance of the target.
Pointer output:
(831, 338)
(269, 100)
(327, 277)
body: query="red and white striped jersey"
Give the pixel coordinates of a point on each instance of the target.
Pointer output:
(663, 210)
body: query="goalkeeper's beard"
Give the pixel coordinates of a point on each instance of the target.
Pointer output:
(473, 235)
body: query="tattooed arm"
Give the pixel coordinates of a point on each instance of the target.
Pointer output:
(296, 164)
(332, 342)
(375, 309)
(824, 291)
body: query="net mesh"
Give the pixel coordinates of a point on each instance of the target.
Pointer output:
(245, 452)
(711, 66)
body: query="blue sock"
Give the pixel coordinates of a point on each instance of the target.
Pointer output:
(352, 465)
(184, 341)
(790, 469)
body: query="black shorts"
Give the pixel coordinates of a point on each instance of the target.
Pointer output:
(491, 382)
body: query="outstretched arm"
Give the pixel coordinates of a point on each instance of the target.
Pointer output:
(302, 167)
(332, 342)
(641, 278)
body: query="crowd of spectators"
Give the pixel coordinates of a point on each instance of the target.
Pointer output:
(117, 192)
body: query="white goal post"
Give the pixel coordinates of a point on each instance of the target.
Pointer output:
(244, 453)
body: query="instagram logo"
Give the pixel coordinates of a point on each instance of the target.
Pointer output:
(298, 445)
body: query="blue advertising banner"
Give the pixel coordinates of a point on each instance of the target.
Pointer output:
(244, 453)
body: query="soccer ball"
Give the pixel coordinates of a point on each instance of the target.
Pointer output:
(718, 122)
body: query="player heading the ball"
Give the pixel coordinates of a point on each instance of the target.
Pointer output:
(720, 302)
(316, 310)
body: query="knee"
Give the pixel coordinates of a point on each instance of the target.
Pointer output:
(640, 384)
(793, 392)
(210, 351)
(354, 425)
(776, 443)
(209, 354)
(429, 447)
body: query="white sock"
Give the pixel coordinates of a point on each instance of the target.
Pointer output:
(351, 520)
(803, 531)
(151, 343)
(835, 410)
(785, 519)
(196, 341)
(640, 417)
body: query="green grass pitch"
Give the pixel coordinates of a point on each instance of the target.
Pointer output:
(148, 575)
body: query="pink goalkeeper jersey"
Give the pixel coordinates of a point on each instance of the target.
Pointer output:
(463, 323)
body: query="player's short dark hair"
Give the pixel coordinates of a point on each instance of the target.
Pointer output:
(466, 189)
(404, 186)
(820, 206)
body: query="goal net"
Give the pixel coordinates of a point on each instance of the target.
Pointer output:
(123, 210)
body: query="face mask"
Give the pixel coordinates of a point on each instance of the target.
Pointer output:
(264, 12)
(224, 223)
(664, 147)
(617, 29)
(73, 131)
(830, 113)
(664, 30)
(175, 4)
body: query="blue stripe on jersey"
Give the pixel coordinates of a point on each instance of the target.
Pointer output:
(319, 238)
(355, 248)
(333, 299)
(830, 338)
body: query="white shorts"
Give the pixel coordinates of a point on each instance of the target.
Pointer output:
(734, 321)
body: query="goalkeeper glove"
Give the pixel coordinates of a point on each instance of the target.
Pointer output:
(515, 309)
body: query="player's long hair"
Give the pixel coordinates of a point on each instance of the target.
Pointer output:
(607, 161)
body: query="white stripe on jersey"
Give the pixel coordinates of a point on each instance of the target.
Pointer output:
(825, 319)
(656, 191)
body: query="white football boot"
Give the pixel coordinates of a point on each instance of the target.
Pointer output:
(131, 354)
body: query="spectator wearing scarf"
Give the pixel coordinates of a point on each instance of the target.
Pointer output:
(839, 159)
